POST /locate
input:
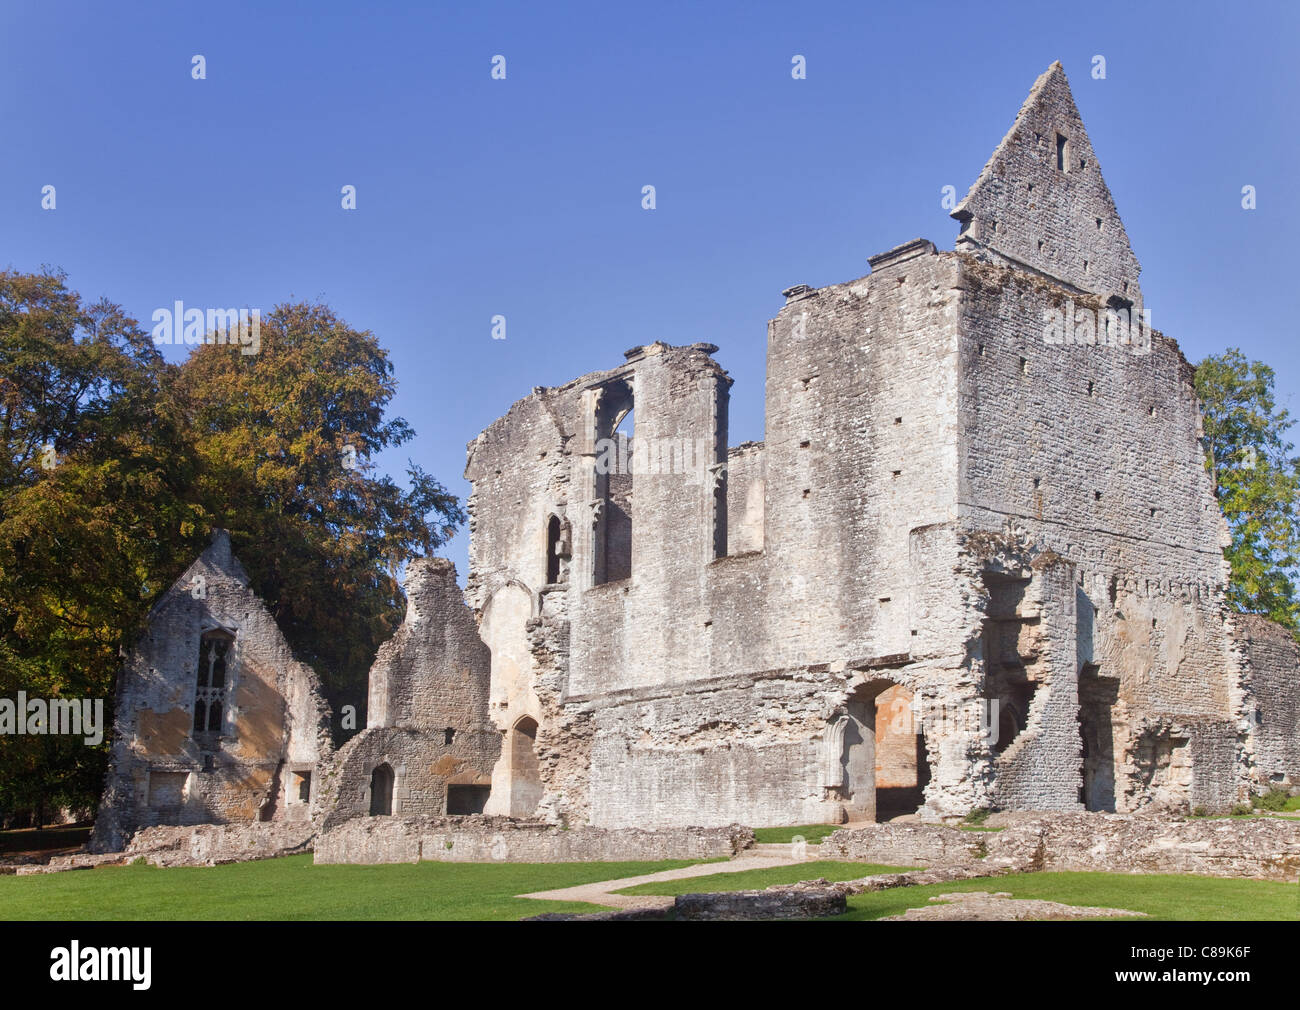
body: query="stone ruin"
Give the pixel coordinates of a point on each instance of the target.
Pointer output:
(977, 562)
(215, 721)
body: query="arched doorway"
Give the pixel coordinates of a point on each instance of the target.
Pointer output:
(381, 791)
(525, 775)
(879, 745)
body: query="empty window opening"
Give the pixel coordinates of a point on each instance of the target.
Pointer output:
(898, 420)
(553, 538)
(462, 799)
(381, 791)
(1061, 152)
(1040, 245)
(448, 735)
(1096, 496)
(615, 434)
(1011, 657)
(210, 688)
(1090, 387)
(1024, 366)
(1085, 266)
(1099, 224)
(302, 787)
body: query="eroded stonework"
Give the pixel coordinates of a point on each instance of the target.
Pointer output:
(976, 562)
(216, 722)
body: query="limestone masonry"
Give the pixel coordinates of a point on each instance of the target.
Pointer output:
(976, 563)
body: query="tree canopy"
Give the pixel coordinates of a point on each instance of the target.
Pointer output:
(118, 465)
(1256, 480)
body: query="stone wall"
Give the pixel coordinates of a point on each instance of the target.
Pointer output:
(1263, 848)
(429, 744)
(1273, 672)
(267, 729)
(499, 839)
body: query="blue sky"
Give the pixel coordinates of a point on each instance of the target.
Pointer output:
(478, 197)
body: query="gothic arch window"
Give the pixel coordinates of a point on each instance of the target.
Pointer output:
(210, 688)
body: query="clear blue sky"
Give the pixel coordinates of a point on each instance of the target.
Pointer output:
(522, 197)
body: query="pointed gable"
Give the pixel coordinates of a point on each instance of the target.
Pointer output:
(1041, 201)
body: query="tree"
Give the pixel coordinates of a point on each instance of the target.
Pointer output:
(1257, 482)
(92, 484)
(117, 466)
(284, 438)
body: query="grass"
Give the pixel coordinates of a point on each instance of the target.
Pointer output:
(752, 880)
(1162, 897)
(61, 836)
(812, 833)
(293, 888)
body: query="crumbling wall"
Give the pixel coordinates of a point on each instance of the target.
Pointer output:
(1273, 672)
(428, 722)
(1094, 451)
(273, 722)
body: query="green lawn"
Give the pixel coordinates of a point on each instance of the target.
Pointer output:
(812, 833)
(293, 888)
(1160, 896)
(752, 880)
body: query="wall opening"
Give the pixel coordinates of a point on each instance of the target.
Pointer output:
(210, 687)
(1097, 698)
(615, 431)
(463, 800)
(525, 774)
(381, 791)
(877, 755)
(1062, 153)
(302, 787)
(1011, 652)
(553, 538)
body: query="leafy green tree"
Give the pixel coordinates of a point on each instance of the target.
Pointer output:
(1257, 481)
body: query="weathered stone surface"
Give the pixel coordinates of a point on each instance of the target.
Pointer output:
(981, 906)
(427, 730)
(803, 902)
(1262, 848)
(265, 723)
(196, 845)
(500, 839)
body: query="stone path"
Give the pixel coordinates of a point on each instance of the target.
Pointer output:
(600, 893)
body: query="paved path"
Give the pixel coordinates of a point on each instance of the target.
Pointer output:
(599, 893)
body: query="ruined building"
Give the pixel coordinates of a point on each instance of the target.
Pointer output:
(976, 562)
(215, 721)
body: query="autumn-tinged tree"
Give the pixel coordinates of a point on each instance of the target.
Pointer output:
(92, 486)
(1257, 481)
(284, 438)
(117, 466)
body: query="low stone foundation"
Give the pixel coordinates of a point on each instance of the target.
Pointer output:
(1259, 847)
(479, 839)
(194, 845)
